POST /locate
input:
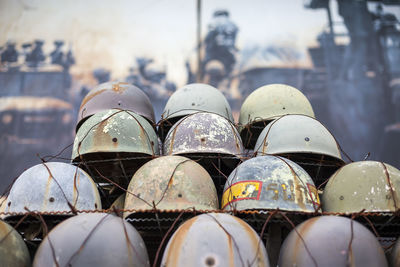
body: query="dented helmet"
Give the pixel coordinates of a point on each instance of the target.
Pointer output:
(118, 95)
(94, 239)
(13, 250)
(171, 182)
(53, 187)
(203, 133)
(193, 98)
(111, 131)
(331, 241)
(364, 185)
(267, 103)
(215, 239)
(270, 182)
(302, 139)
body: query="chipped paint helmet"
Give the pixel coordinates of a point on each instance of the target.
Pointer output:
(94, 239)
(203, 132)
(394, 257)
(115, 131)
(370, 185)
(266, 104)
(219, 240)
(171, 182)
(301, 139)
(193, 98)
(270, 182)
(115, 94)
(13, 250)
(325, 241)
(53, 187)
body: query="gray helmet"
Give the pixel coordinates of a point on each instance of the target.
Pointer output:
(394, 258)
(267, 103)
(193, 98)
(13, 251)
(94, 239)
(270, 182)
(171, 182)
(365, 185)
(302, 139)
(115, 94)
(215, 239)
(53, 187)
(325, 241)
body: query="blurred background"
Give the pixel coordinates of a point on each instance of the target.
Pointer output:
(344, 55)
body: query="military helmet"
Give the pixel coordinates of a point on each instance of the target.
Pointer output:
(193, 98)
(266, 104)
(331, 241)
(53, 187)
(215, 239)
(119, 203)
(394, 257)
(115, 131)
(171, 182)
(13, 251)
(270, 182)
(115, 94)
(93, 239)
(364, 185)
(203, 132)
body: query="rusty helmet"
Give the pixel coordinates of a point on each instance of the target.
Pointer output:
(114, 130)
(302, 139)
(115, 94)
(53, 187)
(203, 132)
(171, 182)
(270, 182)
(93, 239)
(219, 240)
(193, 98)
(13, 250)
(331, 241)
(364, 185)
(267, 103)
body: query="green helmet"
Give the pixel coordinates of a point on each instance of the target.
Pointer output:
(53, 187)
(365, 185)
(171, 182)
(266, 104)
(13, 251)
(93, 239)
(303, 139)
(215, 239)
(331, 241)
(270, 182)
(192, 98)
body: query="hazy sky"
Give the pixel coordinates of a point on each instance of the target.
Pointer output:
(111, 34)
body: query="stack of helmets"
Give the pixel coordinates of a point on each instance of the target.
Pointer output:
(201, 127)
(305, 141)
(115, 133)
(266, 104)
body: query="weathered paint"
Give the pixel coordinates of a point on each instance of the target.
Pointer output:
(48, 187)
(215, 240)
(281, 184)
(324, 241)
(365, 185)
(13, 251)
(119, 95)
(203, 133)
(171, 182)
(107, 240)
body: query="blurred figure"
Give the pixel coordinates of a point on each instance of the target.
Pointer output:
(10, 54)
(36, 56)
(102, 75)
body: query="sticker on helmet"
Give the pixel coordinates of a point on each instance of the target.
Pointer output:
(240, 191)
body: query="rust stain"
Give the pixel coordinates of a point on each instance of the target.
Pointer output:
(117, 88)
(100, 137)
(89, 97)
(302, 231)
(178, 241)
(46, 194)
(230, 252)
(4, 229)
(392, 192)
